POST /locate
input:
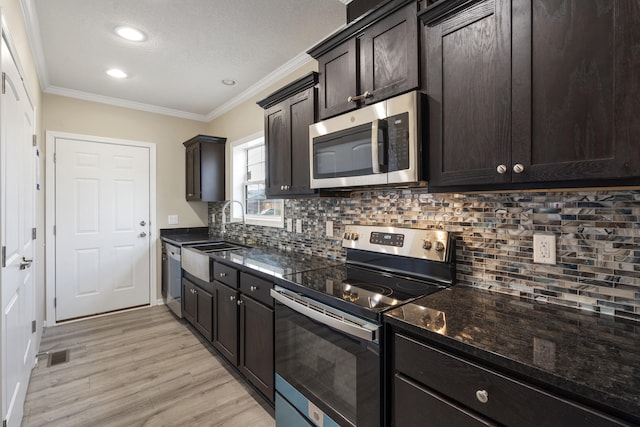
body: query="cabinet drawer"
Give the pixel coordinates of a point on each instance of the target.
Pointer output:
(412, 405)
(507, 401)
(256, 288)
(225, 274)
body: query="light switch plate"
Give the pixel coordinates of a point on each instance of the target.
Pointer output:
(172, 220)
(298, 226)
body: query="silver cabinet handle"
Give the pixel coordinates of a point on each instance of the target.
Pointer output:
(223, 274)
(518, 168)
(482, 396)
(253, 288)
(232, 298)
(143, 234)
(365, 95)
(240, 302)
(502, 169)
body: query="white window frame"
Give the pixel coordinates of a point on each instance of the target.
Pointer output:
(235, 187)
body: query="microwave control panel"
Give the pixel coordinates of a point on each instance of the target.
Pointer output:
(398, 137)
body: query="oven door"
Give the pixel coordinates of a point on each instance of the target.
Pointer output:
(349, 150)
(320, 367)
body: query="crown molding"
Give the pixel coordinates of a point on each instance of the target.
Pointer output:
(33, 34)
(118, 102)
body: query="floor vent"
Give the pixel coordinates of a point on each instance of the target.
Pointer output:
(58, 357)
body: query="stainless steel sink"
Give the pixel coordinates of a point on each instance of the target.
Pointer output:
(216, 246)
(196, 261)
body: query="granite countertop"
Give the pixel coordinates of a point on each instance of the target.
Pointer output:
(272, 262)
(594, 356)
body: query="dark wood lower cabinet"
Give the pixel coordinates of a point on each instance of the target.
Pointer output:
(197, 308)
(450, 390)
(256, 345)
(225, 337)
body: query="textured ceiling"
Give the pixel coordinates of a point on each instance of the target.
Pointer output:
(192, 45)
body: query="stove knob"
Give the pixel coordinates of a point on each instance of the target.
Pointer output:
(345, 236)
(354, 236)
(426, 245)
(439, 246)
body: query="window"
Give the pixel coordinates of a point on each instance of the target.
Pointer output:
(248, 170)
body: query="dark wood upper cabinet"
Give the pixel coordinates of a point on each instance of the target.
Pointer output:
(288, 114)
(540, 93)
(372, 59)
(205, 157)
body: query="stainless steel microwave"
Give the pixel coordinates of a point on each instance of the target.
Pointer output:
(376, 145)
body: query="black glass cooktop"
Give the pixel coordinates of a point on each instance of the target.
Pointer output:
(358, 290)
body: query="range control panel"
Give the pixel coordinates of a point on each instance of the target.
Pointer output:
(409, 242)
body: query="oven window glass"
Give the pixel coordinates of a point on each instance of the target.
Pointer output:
(338, 373)
(346, 153)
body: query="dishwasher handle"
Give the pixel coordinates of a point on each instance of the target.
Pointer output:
(328, 316)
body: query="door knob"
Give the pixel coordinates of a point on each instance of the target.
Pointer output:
(143, 234)
(142, 223)
(25, 263)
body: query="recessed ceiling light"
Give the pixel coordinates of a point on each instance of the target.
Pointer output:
(130, 33)
(117, 74)
(228, 82)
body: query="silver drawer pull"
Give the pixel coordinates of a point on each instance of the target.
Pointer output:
(232, 298)
(223, 274)
(253, 288)
(502, 169)
(482, 396)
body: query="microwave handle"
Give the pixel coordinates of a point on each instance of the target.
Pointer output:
(375, 163)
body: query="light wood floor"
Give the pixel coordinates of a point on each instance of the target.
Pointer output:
(138, 368)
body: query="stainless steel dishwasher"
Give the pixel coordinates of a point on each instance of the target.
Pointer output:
(174, 276)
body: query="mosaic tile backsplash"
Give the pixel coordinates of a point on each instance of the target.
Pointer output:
(597, 238)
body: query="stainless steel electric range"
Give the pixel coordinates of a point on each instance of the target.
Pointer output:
(329, 335)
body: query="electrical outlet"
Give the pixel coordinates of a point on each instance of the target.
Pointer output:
(172, 219)
(329, 229)
(544, 249)
(298, 226)
(289, 225)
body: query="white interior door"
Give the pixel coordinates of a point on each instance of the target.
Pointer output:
(102, 227)
(17, 190)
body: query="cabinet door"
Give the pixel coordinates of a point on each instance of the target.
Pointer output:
(256, 345)
(193, 172)
(339, 79)
(225, 337)
(468, 76)
(189, 301)
(302, 114)
(576, 89)
(389, 56)
(204, 313)
(278, 149)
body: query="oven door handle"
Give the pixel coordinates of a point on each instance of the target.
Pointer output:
(325, 315)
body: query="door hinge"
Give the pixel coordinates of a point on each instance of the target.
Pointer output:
(35, 140)
(55, 302)
(33, 233)
(4, 256)
(54, 157)
(54, 230)
(4, 422)
(33, 326)
(4, 83)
